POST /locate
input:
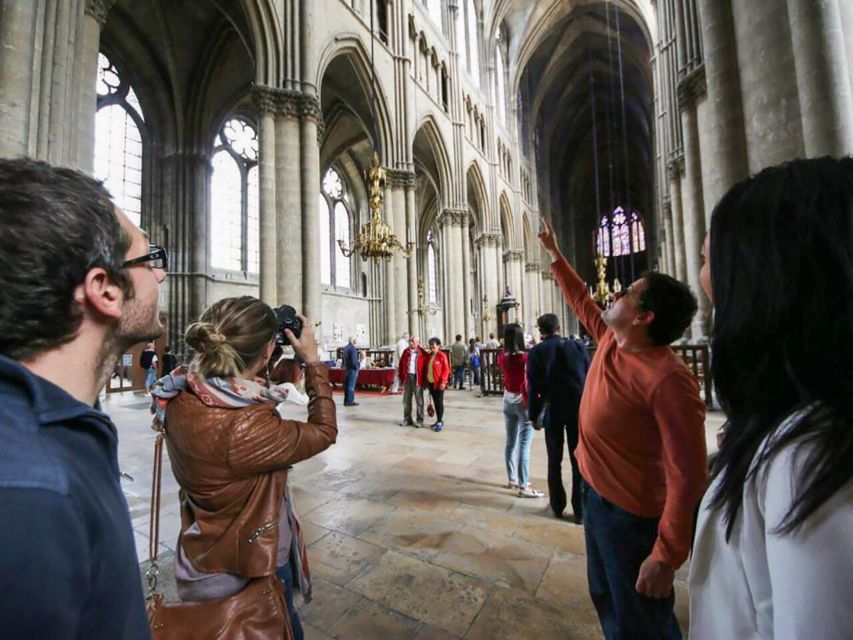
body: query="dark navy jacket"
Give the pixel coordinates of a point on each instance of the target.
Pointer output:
(351, 357)
(68, 564)
(557, 379)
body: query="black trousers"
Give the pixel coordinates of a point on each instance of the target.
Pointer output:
(438, 400)
(558, 431)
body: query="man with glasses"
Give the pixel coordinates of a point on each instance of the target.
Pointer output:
(79, 285)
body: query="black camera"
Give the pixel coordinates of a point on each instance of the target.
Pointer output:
(287, 319)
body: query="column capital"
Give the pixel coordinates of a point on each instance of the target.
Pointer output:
(401, 178)
(455, 217)
(99, 9)
(266, 99)
(513, 255)
(488, 240)
(675, 167)
(547, 275)
(531, 267)
(692, 87)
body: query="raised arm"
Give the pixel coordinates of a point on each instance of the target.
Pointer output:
(573, 287)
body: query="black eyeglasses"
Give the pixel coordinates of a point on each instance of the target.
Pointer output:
(157, 257)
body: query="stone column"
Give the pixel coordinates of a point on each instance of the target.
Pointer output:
(288, 193)
(448, 302)
(531, 274)
(93, 22)
(412, 262)
(693, 203)
(771, 108)
(392, 273)
(310, 148)
(724, 158)
(823, 78)
(466, 277)
(675, 170)
(266, 184)
(17, 57)
(399, 224)
(457, 275)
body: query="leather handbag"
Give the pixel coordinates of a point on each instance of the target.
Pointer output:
(257, 612)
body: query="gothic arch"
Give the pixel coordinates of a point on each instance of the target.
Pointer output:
(477, 196)
(508, 227)
(428, 128)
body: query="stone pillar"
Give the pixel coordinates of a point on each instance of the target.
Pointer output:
(449, 300)
(771, 108)
(823, 78)
(675, 170)
(310, 148)
(724, 158)
(266, 183)
(17, 57)
(531, 274)
(93, 21)
(467, 289)
(412, 262)
(694, 216)
(289, 202)
(457, 275)
(392, 274)
(399, 224)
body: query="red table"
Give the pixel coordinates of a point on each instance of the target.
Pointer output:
(366, 377)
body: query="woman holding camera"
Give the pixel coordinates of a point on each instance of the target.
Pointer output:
(230, 451)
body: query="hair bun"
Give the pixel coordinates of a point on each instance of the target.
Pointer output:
(204, 337)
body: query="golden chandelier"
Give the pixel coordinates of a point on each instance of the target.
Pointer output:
(603, 293)
(375, 238)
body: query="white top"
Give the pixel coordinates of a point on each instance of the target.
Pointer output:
(763, 585)
(413, 361)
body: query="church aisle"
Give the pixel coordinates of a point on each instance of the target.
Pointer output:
(411, 533)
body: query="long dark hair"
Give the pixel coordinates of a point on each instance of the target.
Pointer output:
(782, 278)
(513, 338)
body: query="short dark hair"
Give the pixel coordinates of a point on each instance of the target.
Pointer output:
(673, 304)
(435, 341)
(458, 336)
(548, 324)
(55, 225)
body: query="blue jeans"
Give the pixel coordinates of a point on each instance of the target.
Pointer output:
(150, 377)
(349, 386)
(519, 433)
(617, 542)
(286, 576)
(459, 376)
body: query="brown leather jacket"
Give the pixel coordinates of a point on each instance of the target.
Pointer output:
(233, 464)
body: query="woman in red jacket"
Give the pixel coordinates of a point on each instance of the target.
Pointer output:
(519, 432)
(436, 374)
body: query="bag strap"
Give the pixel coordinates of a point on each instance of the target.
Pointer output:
(154, 520)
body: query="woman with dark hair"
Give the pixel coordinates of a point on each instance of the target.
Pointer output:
(519, 431)
(772, 555)
(436, 372)
(230, 452)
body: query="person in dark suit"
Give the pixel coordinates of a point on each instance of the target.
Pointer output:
(556, 371)
(351, 366)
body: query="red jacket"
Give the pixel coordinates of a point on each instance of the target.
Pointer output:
(440, 369)
(403, 366)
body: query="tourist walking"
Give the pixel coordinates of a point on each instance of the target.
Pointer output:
(436, 374)
(458, 354)
(352, 364)
(474, 361)
(556, 371)
(772, 555)
(148, 362)
(519, 430)
(641, 448)
(412, 370)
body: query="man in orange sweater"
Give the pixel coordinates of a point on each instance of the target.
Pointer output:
(641, 449)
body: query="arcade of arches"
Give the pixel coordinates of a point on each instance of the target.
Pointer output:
(238, 135)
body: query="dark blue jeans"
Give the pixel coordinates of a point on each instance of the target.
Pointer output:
(617, 542)
(286, 576)
(349, 386)
(459, 376)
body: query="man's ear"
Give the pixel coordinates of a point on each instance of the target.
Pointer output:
(644, 318)
(99, 293)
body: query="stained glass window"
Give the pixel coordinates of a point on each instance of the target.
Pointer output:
(620, 234)
(335, 225)
(234, 198)
(118, 139)
(473, 23)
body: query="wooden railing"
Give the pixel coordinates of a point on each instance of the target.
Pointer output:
(696, 356)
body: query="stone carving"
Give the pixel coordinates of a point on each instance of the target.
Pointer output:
(513, 254)
(400, 178)
(547, 275)
(457, 217)
(531, 267)
(692, 87)
(99, 9)
(675, 167)
(488, 240)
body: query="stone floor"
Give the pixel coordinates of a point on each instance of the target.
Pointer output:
(411, 533)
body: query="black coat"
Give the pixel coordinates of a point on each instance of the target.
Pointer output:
(556, 372)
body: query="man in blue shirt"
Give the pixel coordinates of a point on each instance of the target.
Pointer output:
(351, 367)
(79, 285)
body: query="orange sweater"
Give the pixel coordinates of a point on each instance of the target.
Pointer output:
(642, 428)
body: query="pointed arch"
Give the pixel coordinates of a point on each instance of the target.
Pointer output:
(508, 229)
(429, 129)
(477, 196)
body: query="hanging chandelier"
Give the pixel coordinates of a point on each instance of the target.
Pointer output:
(375, 239)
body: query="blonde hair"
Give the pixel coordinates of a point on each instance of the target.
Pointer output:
(231, 334)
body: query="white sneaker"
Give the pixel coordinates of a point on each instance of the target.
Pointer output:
(529, 492)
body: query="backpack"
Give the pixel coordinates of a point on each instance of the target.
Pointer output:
(146, 359)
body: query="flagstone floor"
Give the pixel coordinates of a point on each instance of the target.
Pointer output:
(411, 533)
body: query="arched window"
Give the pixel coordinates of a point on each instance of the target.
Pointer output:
(235, 225)
(620, 234)
(118, 139)
(335, 225)
(432, 271)
(473, 46)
